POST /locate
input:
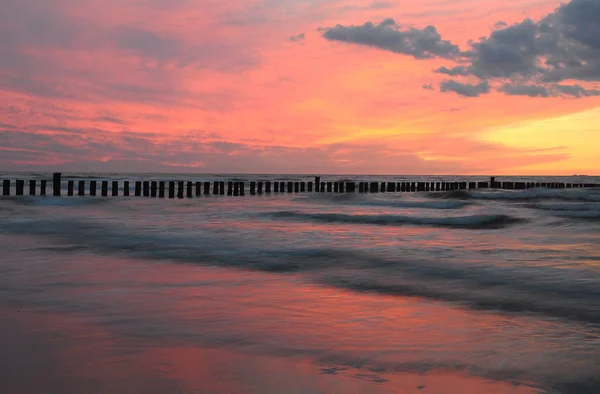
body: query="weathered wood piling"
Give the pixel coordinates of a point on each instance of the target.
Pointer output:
(189, 188)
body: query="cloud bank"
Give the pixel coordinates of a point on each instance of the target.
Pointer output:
(529, 58)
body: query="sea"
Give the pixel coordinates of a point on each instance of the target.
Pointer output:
(457, 292)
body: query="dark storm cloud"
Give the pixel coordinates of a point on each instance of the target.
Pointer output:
(387, 35)
(465, 89)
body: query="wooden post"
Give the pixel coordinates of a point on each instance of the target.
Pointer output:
(206, 188)
(281, 187)
(329, 187)
(472, 185)
(242, 188)
(520, 185)
(93, 188)
(351, 187)
(20, 187)
(138, 188)
(302, 187)
(81, 188)
(161, 189)
(43, 187)
(336, 187)
(104, 188)
(56, 181)
(180, 187)
(198, 188)
(317, 183)
(260, 187)
(322, 188)
(252, 188)
(215, 187)
(146, 188)
(222, 188)
(427, 186)
(70, 185)
(296, 187)
(276, 187)
(171, 189)
(115, 188)
(341, 187)
(6, 187)
(189, 189)
(290, 187)
(413, 187)
(310, 186)
(126, 189)
(268, 187)
(361, 187)
(153, 189)
(32, 187)
(230, 188)
(438, 186)
(236, 188)
(482, 185)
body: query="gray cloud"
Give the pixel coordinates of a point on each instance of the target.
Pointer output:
(427, 86)
(387, 35)
(465, 89)
(524, 90)
(577, 91)
(297, 37)
(564, 45)
(454, 71)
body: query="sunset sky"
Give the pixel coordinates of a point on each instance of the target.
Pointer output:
(301, 86)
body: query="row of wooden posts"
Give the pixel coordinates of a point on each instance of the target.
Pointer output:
(181, 189)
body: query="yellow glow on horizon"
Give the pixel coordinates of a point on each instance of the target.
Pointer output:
(576, 135)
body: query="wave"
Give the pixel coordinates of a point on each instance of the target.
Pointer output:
(582, 195)
(552, 291)
(566, 207)
(358, 200)
(58, 201)
(467, 222)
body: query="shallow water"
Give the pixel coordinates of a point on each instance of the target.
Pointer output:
(482, 291)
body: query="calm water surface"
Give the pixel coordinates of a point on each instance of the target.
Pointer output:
(448, 292)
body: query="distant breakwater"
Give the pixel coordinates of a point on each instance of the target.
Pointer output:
(190, 189)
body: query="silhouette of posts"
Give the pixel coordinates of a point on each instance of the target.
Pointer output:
(198, 188)
(161, 189)
(290, 187)
(206, 188)
(115, 188)
(260, 187)
(189, 189)
(146, 188)
(104, 188)
(180, 189)
(317, 183)
(126, 188)
(6, 187)
(81, 189)
(171, 189)
(43, 187)
(252, 188)
(138, 188)
(310, 186)
(153, 189)
(93, 185)
(56, 181)
(20, 184)
(215, 188)
(32, 187)
(268, 187)
(70, 186)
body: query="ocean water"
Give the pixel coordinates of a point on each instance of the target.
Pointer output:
(487, 291)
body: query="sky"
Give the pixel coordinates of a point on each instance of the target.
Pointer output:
(301, 86)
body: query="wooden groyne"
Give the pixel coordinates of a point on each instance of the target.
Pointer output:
(189, 189)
